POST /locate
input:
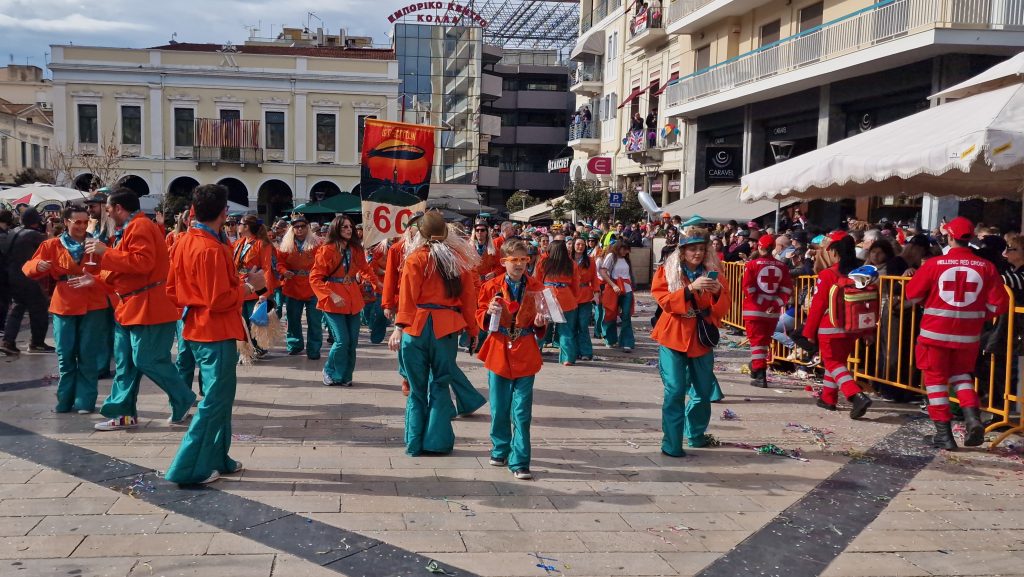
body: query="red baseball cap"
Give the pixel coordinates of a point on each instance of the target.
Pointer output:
(960, 228)
(837, 235)
(766, 241)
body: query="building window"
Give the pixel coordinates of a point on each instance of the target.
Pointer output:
(46, 156)
(3, 151)
(770, 32)
(131, 125)
(88, 124)
(37, 161)
(184, 127)
(275, 130)
(326, 132)
(24, 155)
(811, 16)
(702, 58)
(361, 123)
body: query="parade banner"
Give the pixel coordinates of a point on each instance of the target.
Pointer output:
(395, 176)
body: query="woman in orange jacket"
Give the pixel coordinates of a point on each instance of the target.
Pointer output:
(294, 264)
(688, 284)
(586, 269)
(254, 251)
(80, 325)
(558, 273)
(338, 269)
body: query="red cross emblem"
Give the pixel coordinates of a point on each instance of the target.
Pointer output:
(960, 286)
(768, 279)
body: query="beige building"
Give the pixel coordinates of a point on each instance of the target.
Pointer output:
(26, 121)
(755, 82)
(277, 124)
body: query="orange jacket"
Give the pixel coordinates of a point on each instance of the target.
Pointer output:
(421, 285)
(300, 263)
(204, 279)
(377, 258)
(588, 281)
(522, 359)
(393, 275)
(677, 331)
(328, 265)
(252, 253)
(139, 262)
(67, 301)
(568, 296)
(172, 237)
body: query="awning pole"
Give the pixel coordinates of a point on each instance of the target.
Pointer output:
(778, 207)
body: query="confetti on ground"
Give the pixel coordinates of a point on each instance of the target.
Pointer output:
(658, 533)
(679, 528)
(856, 455)
(435, 567)
(745, 370)
(139, 486)
(632, 444)
(771, 449)
(820, 436)
(245, 437)
(730, 415)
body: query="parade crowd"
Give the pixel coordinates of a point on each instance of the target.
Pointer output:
(119, 287)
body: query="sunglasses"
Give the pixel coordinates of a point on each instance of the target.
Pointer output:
(481, 230)
(79, 221)
(299, 226)
(516, 259)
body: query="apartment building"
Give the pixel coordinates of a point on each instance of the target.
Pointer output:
(742, 84)
(26, 121)
(277, 123)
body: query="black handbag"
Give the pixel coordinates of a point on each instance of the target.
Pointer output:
(707, 333)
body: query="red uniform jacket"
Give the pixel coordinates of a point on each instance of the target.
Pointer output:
(300, 263)
(422, 285)
(204, 279)
(565, 288)
(675, 329)
(330, 275)
(136, 269)
(960, 292)
(589, 280)
(818, 321)
(251, 253)
(767, 288)
(66, 300)
(393, 275)
(522, 358)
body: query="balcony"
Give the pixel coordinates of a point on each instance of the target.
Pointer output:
(889, 33)
(587, 21)
(641, 148)
(646, 29)
(585, 137)
(232, 141)
(588, 79)
(691, 16)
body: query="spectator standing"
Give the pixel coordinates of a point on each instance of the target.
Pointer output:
(27, 294)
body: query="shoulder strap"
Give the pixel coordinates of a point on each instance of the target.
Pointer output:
(341, 261)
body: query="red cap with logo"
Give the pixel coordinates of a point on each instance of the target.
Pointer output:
(837, 235)
(766, 241)
(960, 228)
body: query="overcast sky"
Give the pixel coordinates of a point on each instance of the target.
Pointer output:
(28, 27)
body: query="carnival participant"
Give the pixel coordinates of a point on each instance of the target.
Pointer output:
(687, 285)
(511, 356)
(437, 299)
(587, 269)
(101, 226)
(338, 268)
(617, 297)
(135, 268)
(373, 313)
(203, 280)
(834, 343)
(597, 253)
(558, 272)
(960, 293)
(251, 252)
(294, 264)
(489, 267)
(181, 224)
(80, 328)
(767, 289)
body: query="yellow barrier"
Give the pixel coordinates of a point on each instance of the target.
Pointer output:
(890, 359)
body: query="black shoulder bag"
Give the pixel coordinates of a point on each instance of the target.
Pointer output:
(707, 332)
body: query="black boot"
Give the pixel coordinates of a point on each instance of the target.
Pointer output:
(860, 403)
(975, 434)
(825, 405)
(759, 378)
(943, 437)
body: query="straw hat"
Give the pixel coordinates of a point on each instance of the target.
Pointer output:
(432, 226)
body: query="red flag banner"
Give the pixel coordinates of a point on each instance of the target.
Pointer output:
(395, 178)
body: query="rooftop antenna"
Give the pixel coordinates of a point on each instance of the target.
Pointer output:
(174, 38)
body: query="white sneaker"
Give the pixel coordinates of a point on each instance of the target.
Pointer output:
(213, 477)
(239, 467)
(522, 474)
(180, 423)
(84, 411)
(627, 349)
(117, 424)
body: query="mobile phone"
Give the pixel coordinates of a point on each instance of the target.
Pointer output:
(713, 275)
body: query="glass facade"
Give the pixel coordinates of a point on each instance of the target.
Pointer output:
(439, 68)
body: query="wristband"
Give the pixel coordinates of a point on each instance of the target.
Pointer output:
(261, 291)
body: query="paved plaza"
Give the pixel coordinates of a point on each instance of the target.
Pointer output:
(327, 488)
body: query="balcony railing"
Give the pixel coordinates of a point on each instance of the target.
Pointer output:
(682, 8)
(601, 10)
(877, 24)
(588, 73)
(650, 18)
(214, 154)
(582, 130)
(220, 140)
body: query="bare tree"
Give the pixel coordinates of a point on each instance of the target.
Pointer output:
(104, 165)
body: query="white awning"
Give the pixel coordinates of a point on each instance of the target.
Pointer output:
(592, 44)
(972, 147)
(539, 212)
(1003, 74)
(721, 203)
(457, 191)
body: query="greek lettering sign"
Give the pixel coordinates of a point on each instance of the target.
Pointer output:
(600, 165)
(444, 13)
(723, 163)
(559, 164)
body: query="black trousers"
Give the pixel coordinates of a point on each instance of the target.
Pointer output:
(28, 297)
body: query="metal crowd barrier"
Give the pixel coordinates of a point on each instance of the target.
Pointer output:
(889, 361)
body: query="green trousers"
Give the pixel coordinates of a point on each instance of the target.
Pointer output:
(204, 448)
(686, 409)
(145, 350)
(341, 360)
(467, 398)
(584, 348)
(598, 321)
(81, 352)
(185, 362)
(279, 301)
(623, 334)
(314, 326)
(373, 317)
(716, 392)
(511, 412)
(568, 351)
(429, 410)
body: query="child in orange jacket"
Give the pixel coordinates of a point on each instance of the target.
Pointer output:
(558, 273)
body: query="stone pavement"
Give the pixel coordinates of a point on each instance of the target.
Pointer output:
(605, 501)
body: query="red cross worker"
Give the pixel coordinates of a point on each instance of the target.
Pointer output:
(767, 289)
(959, 292)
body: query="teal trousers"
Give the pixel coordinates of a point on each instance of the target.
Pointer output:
(511, 412)
(279, 301)
(623, 333)
(204, 448)
(145, 350)
(428, 409)
(467, 398)
(185, 362)
(716, 392)
(464, 340)
(598, 321)
(686, 409)
(314, 327)
(373, 317)
(568, 351)
(81, 352)
(584, 348)
(341, 360)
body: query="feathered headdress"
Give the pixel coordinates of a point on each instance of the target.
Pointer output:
(449, 252)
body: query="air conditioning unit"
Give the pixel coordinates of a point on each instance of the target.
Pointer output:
(45, 105)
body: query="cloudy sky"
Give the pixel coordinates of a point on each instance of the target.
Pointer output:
(28, 27)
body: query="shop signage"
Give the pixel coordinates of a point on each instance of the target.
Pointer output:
(656, 186)
(779, 131)
(723, 163)
(454, 13)
(673, 186)
(559, 164)
(600, 165)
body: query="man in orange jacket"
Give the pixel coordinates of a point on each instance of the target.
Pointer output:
(135, 269)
